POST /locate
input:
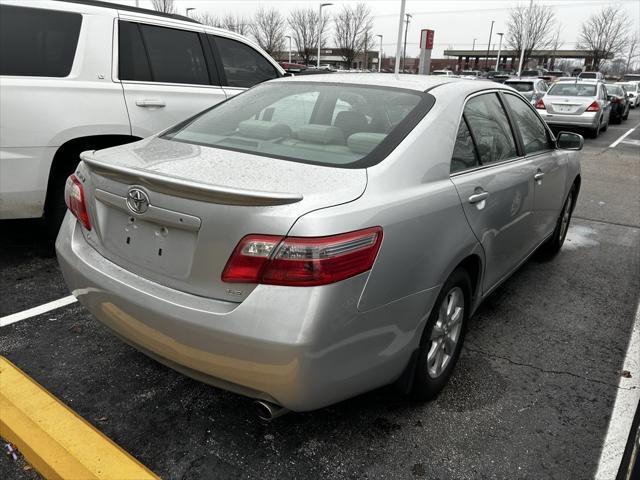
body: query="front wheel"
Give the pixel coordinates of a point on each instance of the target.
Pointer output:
(443, 336)
(555, 242)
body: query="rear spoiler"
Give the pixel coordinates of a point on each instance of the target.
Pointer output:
(187, 188)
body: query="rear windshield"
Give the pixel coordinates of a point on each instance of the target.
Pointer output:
(521, 86)
(573, 90)
(632, 77)
(338, 125)
(439, 73)
(589, 75)
(627, 88)
(614, 90)
(529, 73)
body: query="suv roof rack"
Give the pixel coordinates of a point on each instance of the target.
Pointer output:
(117, 6)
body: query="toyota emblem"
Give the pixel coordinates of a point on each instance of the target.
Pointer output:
(137, 200)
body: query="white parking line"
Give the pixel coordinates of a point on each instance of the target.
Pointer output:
(627, 400)
(625, 135)
(40, 309)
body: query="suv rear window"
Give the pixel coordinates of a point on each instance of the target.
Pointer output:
(521, 86)
(37, 43)
(338, 125)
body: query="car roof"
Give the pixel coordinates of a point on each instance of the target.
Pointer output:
(130, 8)
(419, 83)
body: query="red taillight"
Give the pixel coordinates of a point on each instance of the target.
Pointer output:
(302, 261)
(74, 198)
(540, 104)
(594, 107)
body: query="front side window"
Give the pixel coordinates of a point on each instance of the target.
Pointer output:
(490, 127)
(243, 66)
(534, 134)
(37, 43)
(337, 125)
(172, 55)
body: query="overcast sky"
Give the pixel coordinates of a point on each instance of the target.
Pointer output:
(456, 22)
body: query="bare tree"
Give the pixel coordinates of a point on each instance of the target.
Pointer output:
(633, 52)
(605, 34)
(236, 23)
(303, 23)
(207, 18)
(353, 29)
(164, 6)
(268, 28)
(535, 29)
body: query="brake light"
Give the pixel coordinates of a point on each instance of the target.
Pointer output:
(74, 198)
(540, 104)
(594, 107)
(302, 261)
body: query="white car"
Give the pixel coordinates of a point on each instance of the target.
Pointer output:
(445, 73)
(633, 91)
(82, 75)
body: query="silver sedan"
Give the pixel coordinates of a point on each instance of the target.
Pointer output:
(317, 237)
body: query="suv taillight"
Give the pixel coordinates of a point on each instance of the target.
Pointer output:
(74, 198)
(302, 261)
(540, 104)
(594, 107)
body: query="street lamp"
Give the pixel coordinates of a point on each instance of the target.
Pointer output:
(474, 44)
(499, 50)
(320, 30)
(486, 60)
(289, 37)
(523, 45)
(379, 54)
(404, 51)
(188, 10)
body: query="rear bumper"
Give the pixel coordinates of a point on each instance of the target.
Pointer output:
(586, 120)
(302, 348)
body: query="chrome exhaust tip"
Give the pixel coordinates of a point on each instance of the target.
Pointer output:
(268, 411)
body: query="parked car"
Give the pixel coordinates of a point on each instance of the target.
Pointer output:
(556, 74)
(591, 76)
(295, 244)
(576, 103)
(88, 75)
(471, 73)
(631, 77)
(533, 73)
(443, 73)
(292, 67)
(531, 89)
(633, 91)
(620, 104)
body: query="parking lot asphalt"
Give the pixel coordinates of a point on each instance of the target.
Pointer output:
(531, 397)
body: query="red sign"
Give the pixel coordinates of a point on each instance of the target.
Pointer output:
(426, 39)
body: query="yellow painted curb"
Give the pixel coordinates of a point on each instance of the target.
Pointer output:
(53, 438)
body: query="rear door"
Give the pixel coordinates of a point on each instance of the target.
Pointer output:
(167, 74)
(495, 185)
(550, 165)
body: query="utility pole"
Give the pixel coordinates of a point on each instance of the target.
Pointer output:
(366, 45)
(499, 50)
(188, 9)
(399, 44)
(289, 37)
(526, 38)
(555, 47)
(320, 30)
(474, 44)
(380, 54)
(404, 52)
(486, 60)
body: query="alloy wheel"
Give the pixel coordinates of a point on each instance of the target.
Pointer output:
(446, 332)
(566, 216)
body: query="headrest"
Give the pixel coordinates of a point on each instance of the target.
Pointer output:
(323, 134)
(364, 142)
(263, 130)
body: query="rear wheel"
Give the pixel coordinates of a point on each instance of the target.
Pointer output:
(626, 115)
(554, 244)
(443, 336)
(594, 132)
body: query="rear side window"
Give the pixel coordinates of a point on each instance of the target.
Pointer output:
(243, 66)
(38, 43)
(491, 129)
(133, 63)
(464, 152)
(534, 133)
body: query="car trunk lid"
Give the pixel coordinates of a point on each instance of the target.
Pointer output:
(567, 105)
(173, 212)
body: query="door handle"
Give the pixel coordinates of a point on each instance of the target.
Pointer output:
(478, 197)
(538, 176)
(150, 102)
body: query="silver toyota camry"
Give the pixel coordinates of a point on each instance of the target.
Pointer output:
(317, 237)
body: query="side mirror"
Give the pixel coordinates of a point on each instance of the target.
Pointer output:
(569, 141)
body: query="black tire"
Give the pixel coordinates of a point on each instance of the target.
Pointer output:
(594, 132)
(553, 245)
(55, 207)
(426, 384)
(626, 115)
(606, 125)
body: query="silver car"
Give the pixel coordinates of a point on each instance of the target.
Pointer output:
(576, 103)
(532, 89)
(317, 237)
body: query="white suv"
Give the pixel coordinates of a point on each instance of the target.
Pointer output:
(81, 75)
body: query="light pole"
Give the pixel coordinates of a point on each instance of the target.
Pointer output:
(404, 51)
(523, 45)
(320, 30)
(474, 44)
(380, 54)
(188, 10)
(499, 50)
(486, 60)
(289, 37)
